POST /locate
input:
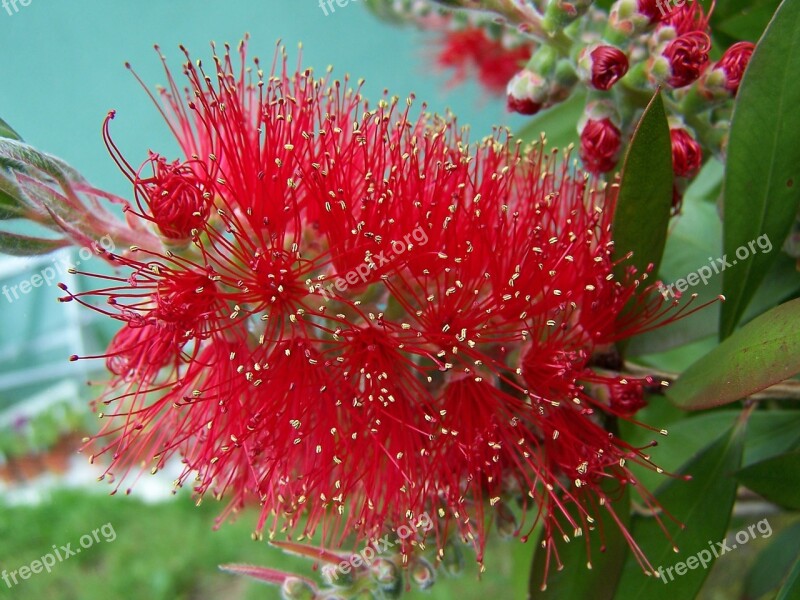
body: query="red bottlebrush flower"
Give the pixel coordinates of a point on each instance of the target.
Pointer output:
(601, 141)
(687, 56)
(176, 196)
(602, 66)
(471, 49)
(687, 18)
(687, 155)
(433, 375)
(733, 64)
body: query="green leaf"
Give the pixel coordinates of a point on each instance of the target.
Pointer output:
(557, 123)
(694, 236)
(769, 433)
(777, 479)
(645, 196)
(6, 131)
(607, 552)
(746, 22)
(19, 156)
(703, 505)
(23, 245)
(763, 352)
(9, 208)
(13, 203)
(773, 563)
(791, 589)
(762, 175)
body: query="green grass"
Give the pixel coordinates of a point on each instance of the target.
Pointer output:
(170, 552)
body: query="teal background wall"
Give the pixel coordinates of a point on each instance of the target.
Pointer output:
(62, 69)
(61, 66)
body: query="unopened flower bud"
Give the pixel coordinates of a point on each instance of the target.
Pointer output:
(560, 13)
(527, 93)
(687, 155)
(388, 577)
(600, 144)
(626, 398)
(601, 66)
(628, 18)
(423, 574)
(686, 57)
(294, 588)
(724, 78)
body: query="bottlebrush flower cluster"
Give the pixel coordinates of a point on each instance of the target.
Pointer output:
(455, 378)
(637, 45)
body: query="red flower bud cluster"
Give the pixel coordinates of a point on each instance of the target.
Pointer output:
(733, 64)
(687, 155)
(601, 141)
(603, 66)
(688, 57)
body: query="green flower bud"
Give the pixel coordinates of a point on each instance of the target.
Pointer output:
(423, 574)
(294, 588)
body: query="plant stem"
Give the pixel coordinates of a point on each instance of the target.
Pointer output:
(786, 390)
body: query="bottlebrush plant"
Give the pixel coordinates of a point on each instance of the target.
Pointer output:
(399, 343)
(552, 57)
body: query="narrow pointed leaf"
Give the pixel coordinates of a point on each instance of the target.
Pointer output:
(7, 131)
(764, 352)
(762, 175)
(22, 245)
(575, 580)
(13, 202)
(19, 156)
(9, 207)
(703, 505)
(645, 196)
(773, 563)
(307, 551)
(777, 479)
(791, 589)
(262, 574)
